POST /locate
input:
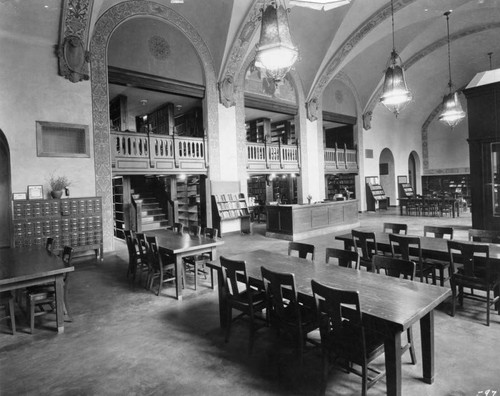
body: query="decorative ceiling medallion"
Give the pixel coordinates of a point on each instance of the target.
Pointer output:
(159, 47)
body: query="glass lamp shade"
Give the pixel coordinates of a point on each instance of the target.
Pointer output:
(452, 113)
(395, 94)
(319, 4)
(276, 52)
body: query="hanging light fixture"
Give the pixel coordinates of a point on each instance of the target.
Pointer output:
(452, 112)
(395, 94)
(276, 52)
(319, 4)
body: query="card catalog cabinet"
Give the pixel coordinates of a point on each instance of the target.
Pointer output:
(75, 222)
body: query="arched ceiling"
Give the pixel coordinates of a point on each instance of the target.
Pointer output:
(354, 39)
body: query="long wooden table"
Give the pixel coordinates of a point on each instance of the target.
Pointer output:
(183, 245)
(23, 267)
(389, 305)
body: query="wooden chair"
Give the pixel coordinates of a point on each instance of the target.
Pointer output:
(7, 300)
(440, 265)
(474, 272)
(49, 244)
(366, 243)
(161, 265)
(135, 264)
(193, 230)
(197, 264)
(303, 249)
(395, 228)
(345, 258)
(410, 248)
(487, 236)
(284, 311)
(142, 248)
(42, 300)
(398, 268)
(343, 335)
(240, 295)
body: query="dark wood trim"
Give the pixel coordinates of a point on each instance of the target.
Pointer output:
(136, 79)
(340, 118)
(263, 103)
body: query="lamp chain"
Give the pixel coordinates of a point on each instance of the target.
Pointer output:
(392, 15)
(449, 51)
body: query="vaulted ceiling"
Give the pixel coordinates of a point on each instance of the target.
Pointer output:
(354, 39)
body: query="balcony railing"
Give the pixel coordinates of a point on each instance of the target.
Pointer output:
(341, 159)
(138, 152)
(272, 156)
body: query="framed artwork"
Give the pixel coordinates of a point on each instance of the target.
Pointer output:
(18, 196)
(35, 192)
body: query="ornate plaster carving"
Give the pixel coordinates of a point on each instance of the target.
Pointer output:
(158, 47)
(103, 30)
(367, 120)
(312, 107)
(236, 57)
(71, 51)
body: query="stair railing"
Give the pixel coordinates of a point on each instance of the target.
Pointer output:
(135, 216)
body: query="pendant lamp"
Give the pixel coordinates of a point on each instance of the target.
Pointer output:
(395, 94)
(452, 112)
(276, 52)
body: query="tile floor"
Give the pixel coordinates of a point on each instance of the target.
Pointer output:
(124, 340)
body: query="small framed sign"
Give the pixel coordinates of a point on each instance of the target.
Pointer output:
(35, 192)
(18, 196)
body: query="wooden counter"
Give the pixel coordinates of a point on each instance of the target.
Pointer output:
(294, 222)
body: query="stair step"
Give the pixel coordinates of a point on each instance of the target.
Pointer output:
(153, 211)
(149, 219)
(154, 225)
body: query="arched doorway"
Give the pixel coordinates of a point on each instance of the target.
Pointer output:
(414, 175)
(387, 175)
(5, 192)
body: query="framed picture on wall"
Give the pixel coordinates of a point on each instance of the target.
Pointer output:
(35, 192)
(18, 196)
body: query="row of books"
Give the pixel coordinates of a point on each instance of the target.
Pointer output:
(230, 214)
(229, 197)
(230, 205)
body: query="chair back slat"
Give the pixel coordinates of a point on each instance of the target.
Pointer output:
(234, 273)
(345, 258)
(488, 236)
(303, 249)
(438, 232)
(211, 233)
(394, 266)
(366, 243)
(282, 295)
(473, 257)
(395, 228)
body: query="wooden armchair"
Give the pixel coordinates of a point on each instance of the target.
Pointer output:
(473, 271)
(241, 296)
(303, 249)
(197, 264)
(41, 300)
(440, 265)
(398, 268)
(343, 335)
(365, 244)
(285, 312)
(161, 265)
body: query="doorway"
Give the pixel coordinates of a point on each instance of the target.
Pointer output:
(5, 192)
(387, 175)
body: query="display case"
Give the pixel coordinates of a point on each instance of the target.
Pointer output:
(230, 206)
(375, 197)
(406, 190)
(338, 183)
(75, 222)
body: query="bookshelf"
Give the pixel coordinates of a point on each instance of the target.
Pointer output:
(337, 183)
(230, 206)
(257, 188)
(406, 190)
(188, 197)
(375, 197)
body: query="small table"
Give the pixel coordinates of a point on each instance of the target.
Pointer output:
(183, 245)
(23, 267)
(389, 305)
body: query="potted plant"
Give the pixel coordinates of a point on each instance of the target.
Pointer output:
(57, 185)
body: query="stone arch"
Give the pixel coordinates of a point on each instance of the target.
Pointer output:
(103, 30)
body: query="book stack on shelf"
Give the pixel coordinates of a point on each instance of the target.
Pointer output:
(188, 196)
(230, 206)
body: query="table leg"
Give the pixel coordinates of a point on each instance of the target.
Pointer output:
(60, 303)
(427, 339)
(392, 347)
(213, 256)
(178, 276)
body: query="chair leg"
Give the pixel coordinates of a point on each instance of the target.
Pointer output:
(488, 307)
(229, 319)
(12, 315)
(412, 347)
(453, 299)
(324, 372)
(32, 315)
(364, 385)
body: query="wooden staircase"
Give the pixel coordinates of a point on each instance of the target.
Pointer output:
(151, 216)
